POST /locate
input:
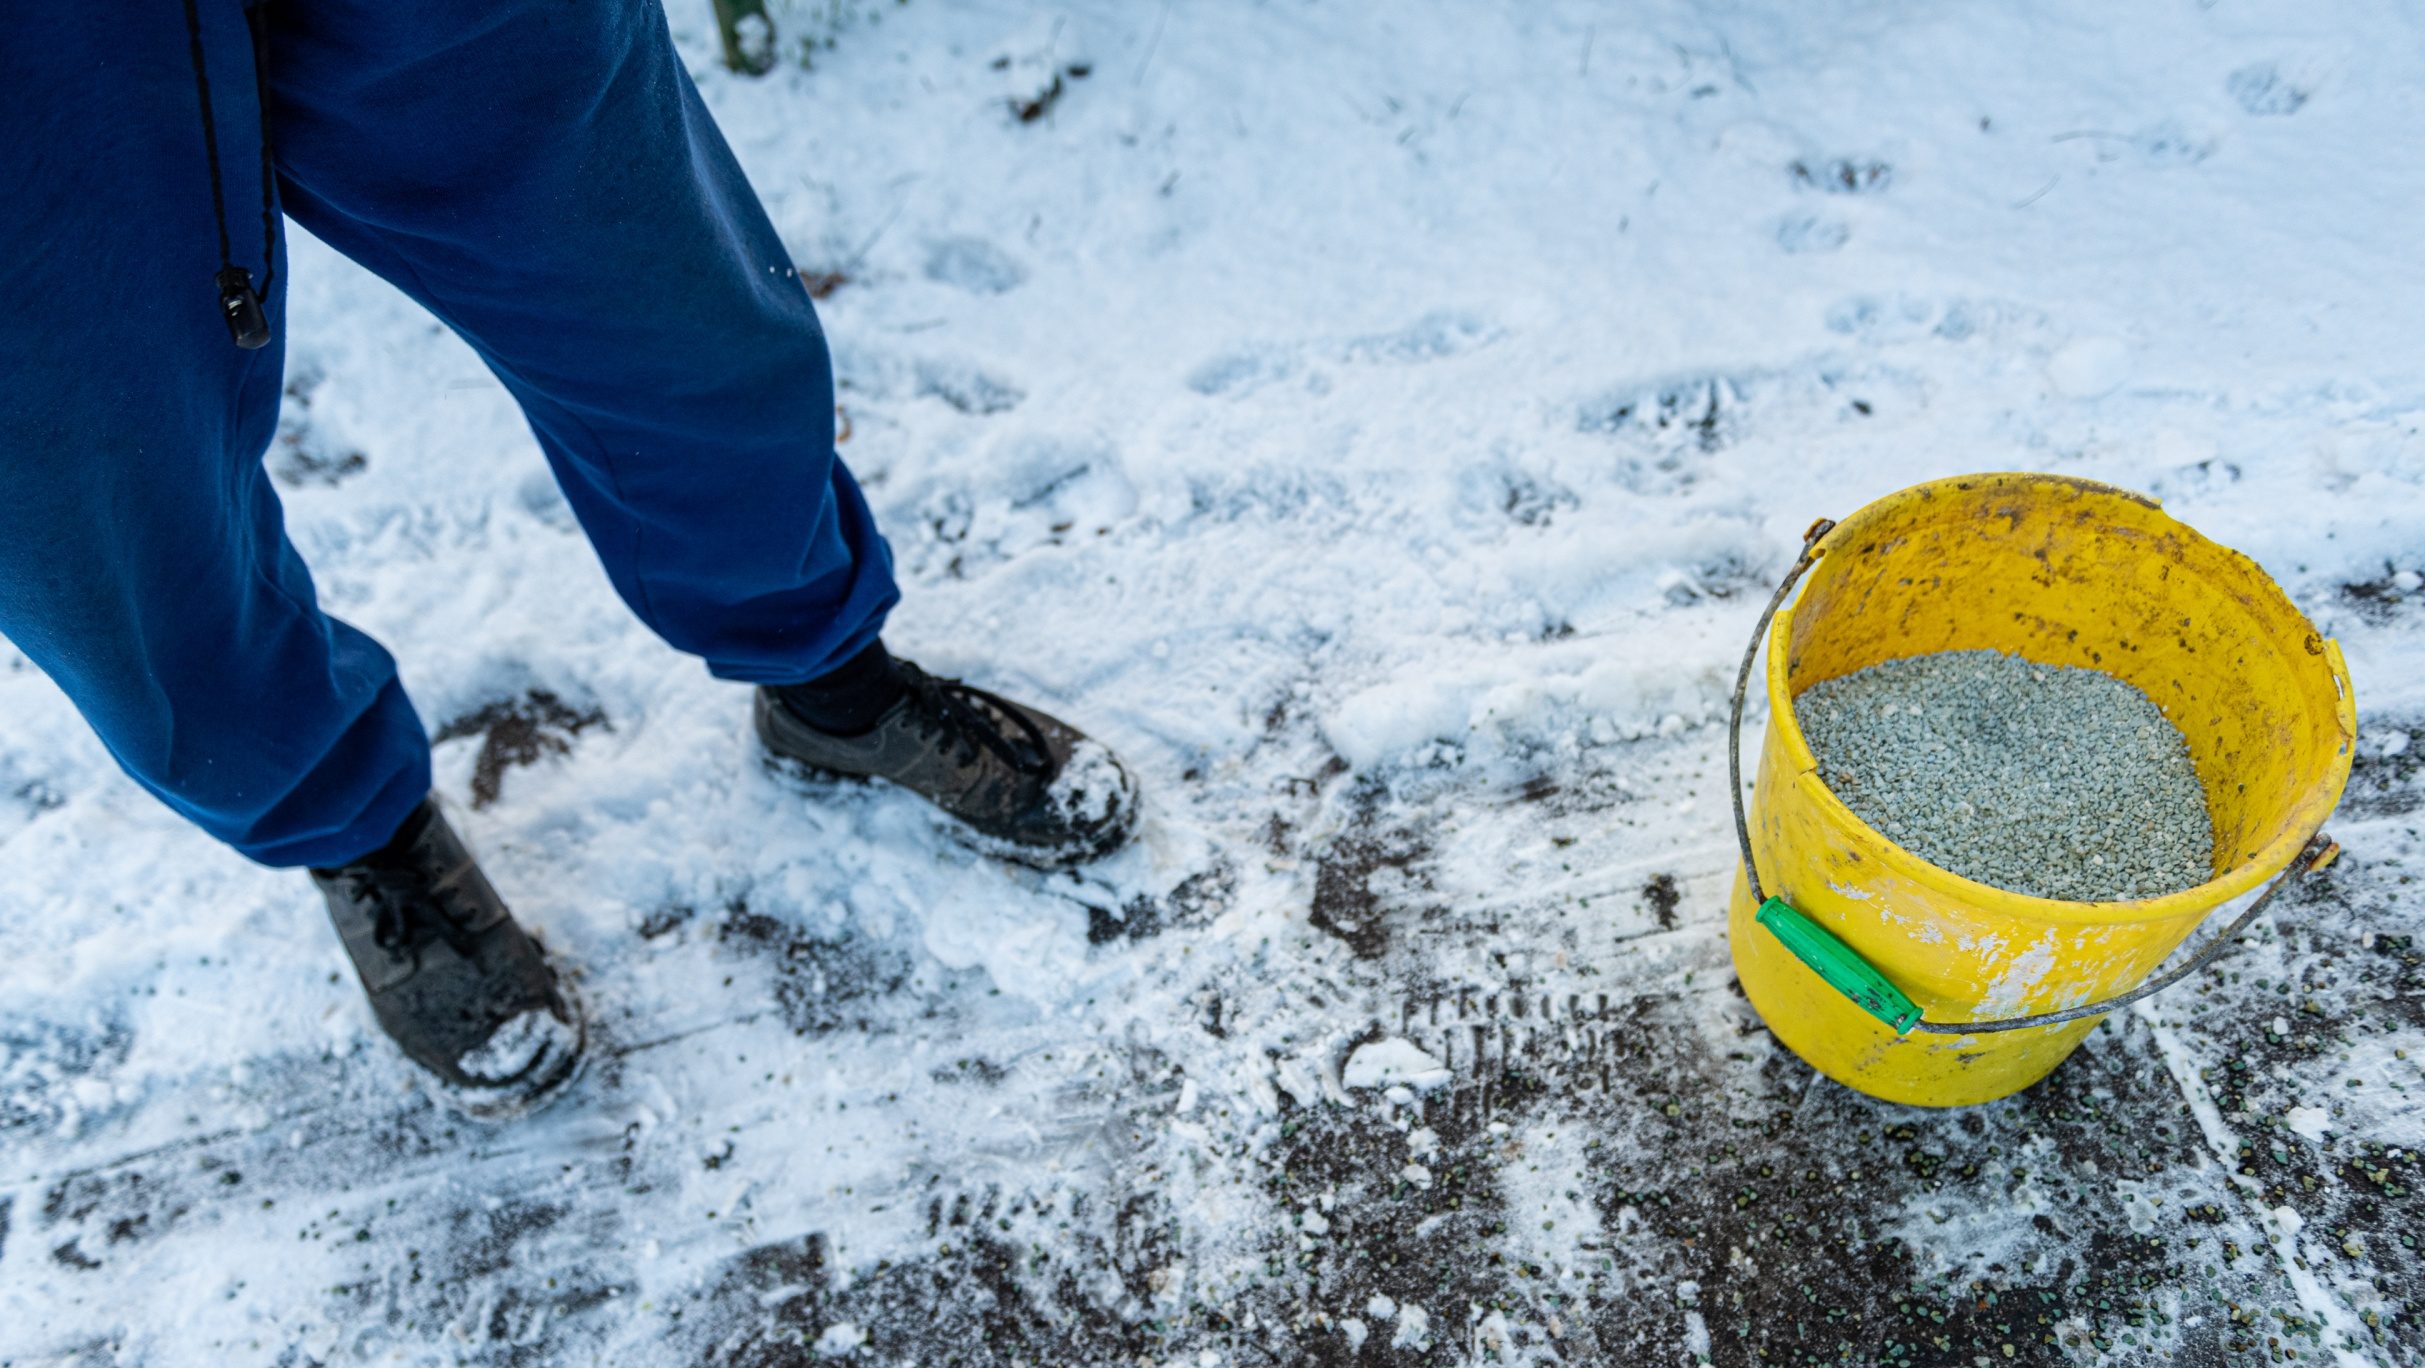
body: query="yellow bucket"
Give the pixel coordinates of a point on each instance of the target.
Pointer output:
(2062, 572)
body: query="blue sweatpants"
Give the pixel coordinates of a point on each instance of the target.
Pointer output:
(541, 176)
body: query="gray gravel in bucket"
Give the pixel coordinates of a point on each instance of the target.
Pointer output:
(2041, 779)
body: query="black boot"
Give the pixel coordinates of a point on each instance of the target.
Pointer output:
(466, 992)
(1031, 787)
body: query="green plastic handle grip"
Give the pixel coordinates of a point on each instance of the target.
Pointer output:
(1839, 964)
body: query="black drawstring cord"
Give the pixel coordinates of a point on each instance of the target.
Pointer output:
(257, 19)
(239, 302)
(210, 136)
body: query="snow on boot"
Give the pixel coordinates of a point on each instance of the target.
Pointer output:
(452, 979)
(1030, 787)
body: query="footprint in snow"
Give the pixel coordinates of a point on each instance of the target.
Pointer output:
(1841, 175)
(1433, 337)
(968, 389)
(1436, 336)
(1802, 234)
(974, 265)
(2261, 89)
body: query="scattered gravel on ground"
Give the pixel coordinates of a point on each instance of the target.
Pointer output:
(2042, 779)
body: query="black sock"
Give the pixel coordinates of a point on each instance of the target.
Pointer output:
(849, 699)
(398, 849)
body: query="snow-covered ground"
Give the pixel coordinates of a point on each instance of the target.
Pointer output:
(1379, 422)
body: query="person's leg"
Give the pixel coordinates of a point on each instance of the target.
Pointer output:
(544, 178)
(143, 560)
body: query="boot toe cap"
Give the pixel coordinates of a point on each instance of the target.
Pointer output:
(1087, 810)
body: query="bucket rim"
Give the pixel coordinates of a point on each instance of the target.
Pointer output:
(2194, 902)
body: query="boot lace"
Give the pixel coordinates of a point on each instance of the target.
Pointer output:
(402, 903)
(963, 716)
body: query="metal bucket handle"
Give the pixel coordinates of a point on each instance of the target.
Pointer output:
(1843, 967)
